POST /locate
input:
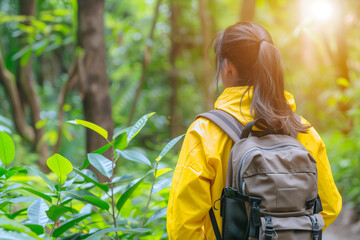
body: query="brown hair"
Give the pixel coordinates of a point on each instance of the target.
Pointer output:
(249, 47)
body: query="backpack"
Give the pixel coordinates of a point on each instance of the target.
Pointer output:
(271, 185)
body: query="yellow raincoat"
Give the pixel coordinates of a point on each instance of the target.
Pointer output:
(200, 174)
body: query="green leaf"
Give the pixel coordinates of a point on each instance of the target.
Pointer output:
(36, 172)
(121, 142)
(162, 171)
(88, 197)
(68, 224)
(99, 151)
(21, 53)
(119, 131)
(2, 171)
(76, 236)
(7, 148)
(130, 189)
(5, 129)
(168, 147)
(25, 58)
(88, 179)
(37, 212)
(101, 131)
(40, 46)
(121, 179)
(35, 228)
(134, 156)
(10, 235)
(4, 202)
(9, 224)
(163, 183)
(138, 126)
(158, 214)
(55, 212)
(60, 166)
(98, 234)
(15, 214)
(40, 194)
(101, 163)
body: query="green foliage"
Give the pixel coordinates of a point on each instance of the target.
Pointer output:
(81, 207)
(60, 166)
(7, 148)
(96, 128)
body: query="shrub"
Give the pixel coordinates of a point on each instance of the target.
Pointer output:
(70, 202)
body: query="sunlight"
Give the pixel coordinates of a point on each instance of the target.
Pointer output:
(322, 10)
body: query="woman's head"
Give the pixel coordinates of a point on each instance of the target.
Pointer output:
(245, 56)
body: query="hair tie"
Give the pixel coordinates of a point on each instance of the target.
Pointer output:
(262, 40)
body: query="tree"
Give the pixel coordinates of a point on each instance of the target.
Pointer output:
(206, 40)
(247, 11)
(145, 63)
(26, 86)
(96, 99)
(22, 94)
(175, 121)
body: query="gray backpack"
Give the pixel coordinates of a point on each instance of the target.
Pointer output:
(271, 185)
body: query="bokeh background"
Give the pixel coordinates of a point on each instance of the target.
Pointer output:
(110, 62)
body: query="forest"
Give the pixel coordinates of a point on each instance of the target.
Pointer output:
(96, 96)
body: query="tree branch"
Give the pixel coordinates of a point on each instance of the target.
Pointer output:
(70, 82)
(145, 62)
(8, 81)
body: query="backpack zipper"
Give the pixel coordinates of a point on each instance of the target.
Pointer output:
(251, 150)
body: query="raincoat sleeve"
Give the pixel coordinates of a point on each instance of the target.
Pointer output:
(330, 197)
(190, 199)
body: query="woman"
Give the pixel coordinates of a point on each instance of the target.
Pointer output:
(250, 68)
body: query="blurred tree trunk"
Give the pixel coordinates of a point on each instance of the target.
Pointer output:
(96, 99)
(145, 63)
(18, 113)
(343, 70)
(175, 121)
(247, 11)
(340, 62)
(206, 40)
(27, 90)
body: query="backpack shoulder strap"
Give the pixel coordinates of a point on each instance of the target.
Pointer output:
(228, 123)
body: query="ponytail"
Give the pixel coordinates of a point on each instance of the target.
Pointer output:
(250, 49)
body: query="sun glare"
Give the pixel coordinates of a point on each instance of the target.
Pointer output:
(322, 10)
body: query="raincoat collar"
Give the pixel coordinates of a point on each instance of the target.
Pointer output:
(229, 101)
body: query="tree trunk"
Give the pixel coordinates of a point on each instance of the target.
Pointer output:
(27, 91)
(175, 121)
(96, 99)
(247, 12)
(206, 75)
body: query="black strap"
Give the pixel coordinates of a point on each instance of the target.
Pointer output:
(316, 231)
(318, 206)
(249, 126)
(214, 224)
(254, 217)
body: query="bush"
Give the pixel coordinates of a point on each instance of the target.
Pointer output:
(70, 202)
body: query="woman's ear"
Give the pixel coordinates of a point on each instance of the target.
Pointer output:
(230, 75)
(230, 69)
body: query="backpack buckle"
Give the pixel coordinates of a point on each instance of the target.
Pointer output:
(269, 228)
(315, 227)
